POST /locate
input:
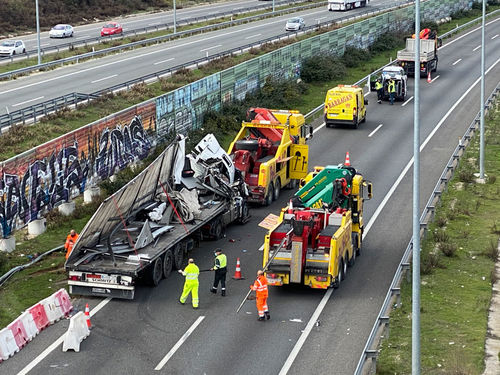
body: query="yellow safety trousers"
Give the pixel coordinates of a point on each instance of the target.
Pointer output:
(191, 286)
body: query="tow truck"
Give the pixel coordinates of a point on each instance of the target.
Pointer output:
(320, 233)
(270, 152)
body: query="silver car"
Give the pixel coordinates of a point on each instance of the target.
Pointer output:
(12, 47)
(295, 24)
(61, 31)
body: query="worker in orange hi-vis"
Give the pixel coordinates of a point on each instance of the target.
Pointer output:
(260, 287)
(70, 241)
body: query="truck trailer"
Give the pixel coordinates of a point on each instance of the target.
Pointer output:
(146, 228)
(345, 4)
(429, 44)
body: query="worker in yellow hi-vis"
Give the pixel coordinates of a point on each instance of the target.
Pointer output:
(191, 284)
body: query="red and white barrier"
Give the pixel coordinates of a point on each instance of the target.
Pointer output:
(8, 346)
(63, 301)
(20, 335)
(54, 313)
(39, 316)
(29, 325)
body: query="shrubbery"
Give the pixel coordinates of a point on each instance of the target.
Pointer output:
(385, 42)
(322, 68)
(354, 57)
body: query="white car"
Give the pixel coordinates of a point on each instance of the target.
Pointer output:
(295, 24)
(61, 31)
(12, 47)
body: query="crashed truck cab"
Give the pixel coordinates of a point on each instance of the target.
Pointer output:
(145, 229)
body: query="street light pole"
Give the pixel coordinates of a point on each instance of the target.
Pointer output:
(273, 6)
(481, 136)
(175, 19)
(415, 317)
(38, 33)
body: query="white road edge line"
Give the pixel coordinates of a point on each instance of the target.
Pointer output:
(58, 342)
(407, 101)
(160, 62)
(179, 343)
(456, 62)
(377, 128)
(470, 32)
(102, 79)
(436, 77)
(252, 36)
(326, 297)
(494, 36)
(475, 49)
(27, 101)
(206, 49)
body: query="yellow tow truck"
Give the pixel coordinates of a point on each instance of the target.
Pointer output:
(270, 152)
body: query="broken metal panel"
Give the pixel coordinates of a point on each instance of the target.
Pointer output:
(145, 237)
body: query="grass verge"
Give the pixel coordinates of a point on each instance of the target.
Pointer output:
(457, 263)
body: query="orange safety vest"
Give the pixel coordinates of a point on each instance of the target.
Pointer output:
(260, 286)
(70, 241)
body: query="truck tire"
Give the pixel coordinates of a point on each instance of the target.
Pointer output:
(340, 277)
(355, 123)
(270, 194)
(155, 272)
(351, 261)
(277, 189)
(344, 265)
(292, 185)
(168, 263)
(217, 229)
(178, 256)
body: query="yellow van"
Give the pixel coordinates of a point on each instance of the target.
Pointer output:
(345, 104)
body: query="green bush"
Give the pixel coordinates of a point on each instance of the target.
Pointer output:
(387, 41)
(354, 57)
(3, 263)
(325, 67)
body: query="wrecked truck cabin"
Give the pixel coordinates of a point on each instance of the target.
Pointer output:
(146, 228)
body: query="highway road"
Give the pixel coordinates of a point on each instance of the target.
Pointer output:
(145, 20)
(154, 331)
(95, 75)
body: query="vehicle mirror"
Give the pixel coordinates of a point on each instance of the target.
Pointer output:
(370, 190)
(311, 131)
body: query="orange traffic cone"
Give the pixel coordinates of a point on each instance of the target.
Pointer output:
(429, 80)
(347, 162)
(237, 273)
(87, 316)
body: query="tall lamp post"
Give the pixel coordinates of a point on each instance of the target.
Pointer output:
(38, 33)
(175, 19)
(481, 136)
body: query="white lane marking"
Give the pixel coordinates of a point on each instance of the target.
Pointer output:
(409, 100)
(475, 49)
(320, 18)
(179, 343)
(436, 77)
(326, 297)
(27, 101)
(319, 127)
(136, 57)
(464, 35)
(410, 163)
(153, 24)
(377, 128)
(206, 49)
(102, 79)
(82, 36)
(368, 93)
(302, 339)
(494, 36)
(252, 36)
(161, 62)
(58, 342)
(456, 62)
(44, 44)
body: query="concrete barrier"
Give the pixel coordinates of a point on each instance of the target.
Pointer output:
(29, 325)
(8, 346)
(37, 227)
(77, 332)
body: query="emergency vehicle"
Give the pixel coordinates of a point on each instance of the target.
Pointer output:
(345, 105)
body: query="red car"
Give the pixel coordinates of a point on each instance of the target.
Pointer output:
(111, 28)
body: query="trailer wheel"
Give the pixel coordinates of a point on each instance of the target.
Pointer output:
(217, 229)
(178, 256)
(277, 190)
(155, 272)
(168, 263)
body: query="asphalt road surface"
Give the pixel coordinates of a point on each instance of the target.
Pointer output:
(135, 337)
(141, 20)
(101, 73)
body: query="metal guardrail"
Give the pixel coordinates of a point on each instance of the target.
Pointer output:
(470, 23)
(153, 28)
(148, 41)
(370, 350)
(11, 272)
(32, 112)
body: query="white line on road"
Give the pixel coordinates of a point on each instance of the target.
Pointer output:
(161, 62)
(377, 128)
(102, 79)
(44, 44)
(456, 62)
(436, 77)
(179, 343)
(320, 18)
(409, 100)
(82, 36)
(494, 36)
(153, 24)
(252, 36)
(305, 333)
(464, 35)
(475, 49)
(58, 342)
(206, 49)
(27, 101)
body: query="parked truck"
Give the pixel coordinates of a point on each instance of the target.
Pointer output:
(429, 44)
(270, 152)
(320, 233)
(345, 4)
(146, 228)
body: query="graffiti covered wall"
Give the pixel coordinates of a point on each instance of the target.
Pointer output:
(44, 177)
